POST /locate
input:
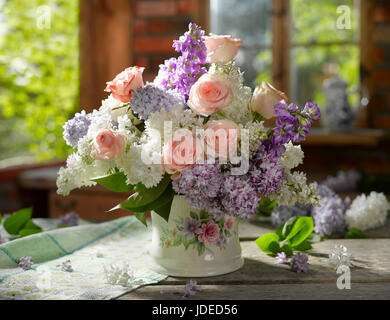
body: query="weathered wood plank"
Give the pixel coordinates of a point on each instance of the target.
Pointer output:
(309, 291)
(371, 257)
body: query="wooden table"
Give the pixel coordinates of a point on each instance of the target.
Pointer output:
(262, 278)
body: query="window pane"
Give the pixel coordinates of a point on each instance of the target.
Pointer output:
(311, 66)
(320, 20)
(249, 20)
(39, 77)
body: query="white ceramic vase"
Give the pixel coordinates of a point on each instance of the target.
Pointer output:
(177, 251)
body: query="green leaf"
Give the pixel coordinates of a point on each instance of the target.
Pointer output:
(27, 232)
(265, 241)
(203, 215)
(165, 209)
(274, 247)
(302, 228)
(287, 250)
(355, 234)
(287, 226)
(31, 225)
(303, 246)
(265, 206)
(14, 223)
(1, 217)
(144, 196)
(114, 182)
(279, 232)
(141, 217)
(193, 215)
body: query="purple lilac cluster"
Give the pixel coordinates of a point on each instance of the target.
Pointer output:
(344, 181)
(25, 263)
(76, 128)
(152, 98)
(241, 198)
(179, 74)
(329, 217)
(3, 240)
(268, 176)
(292, 124)
(299, 262)
(207, 188)
(70, 219)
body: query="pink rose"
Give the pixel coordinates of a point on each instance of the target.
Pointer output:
(221, 137)
(264, 99)
(182, 151)
(210, 233)
(229, 223)
(221, 48)
(125, 82)
(209, 94)
(107, 145)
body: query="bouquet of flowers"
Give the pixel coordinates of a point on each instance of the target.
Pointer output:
(196, 131)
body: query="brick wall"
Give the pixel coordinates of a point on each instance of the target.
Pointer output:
(381, 65)
(156, 23)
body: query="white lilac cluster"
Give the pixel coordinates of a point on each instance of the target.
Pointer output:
(340, 256)
(368, 212)
(202, 90)
(117, 274)
(295, 189)
(292, 157)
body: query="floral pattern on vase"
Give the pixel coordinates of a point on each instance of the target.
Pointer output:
(198, 231)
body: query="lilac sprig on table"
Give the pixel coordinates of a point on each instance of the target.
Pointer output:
(299, 262)
(25, 263)
(70, 219)
(191, 288)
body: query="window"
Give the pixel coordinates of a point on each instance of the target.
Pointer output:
(295, 44)
(38, 77)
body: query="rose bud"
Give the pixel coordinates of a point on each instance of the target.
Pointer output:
(221, 48)
(264, 99)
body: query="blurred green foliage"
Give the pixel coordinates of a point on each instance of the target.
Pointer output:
(38, 76)
(315, 22)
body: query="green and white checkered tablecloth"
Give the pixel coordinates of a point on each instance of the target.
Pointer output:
(88, 246)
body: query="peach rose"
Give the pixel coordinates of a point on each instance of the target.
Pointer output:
(221, 48)
(264, 99)
(107, 145)
(209, 94)
(182, 151)
(125, 82)
(221, 137)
